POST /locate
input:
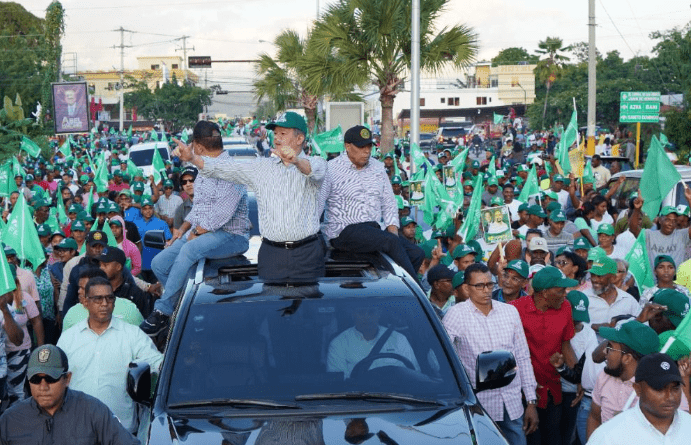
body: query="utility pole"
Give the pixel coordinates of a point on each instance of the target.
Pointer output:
(122, 47)
(415, 76)
(184, 52)
(592, 79)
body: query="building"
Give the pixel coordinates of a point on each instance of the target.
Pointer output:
(485, 91)
(104, 86)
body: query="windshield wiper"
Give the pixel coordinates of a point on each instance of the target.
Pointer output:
(236, 403)
(370, 396)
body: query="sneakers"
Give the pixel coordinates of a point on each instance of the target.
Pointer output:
(156, 323)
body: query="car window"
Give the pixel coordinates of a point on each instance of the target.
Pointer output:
(681, 199)
(453, 132)
(623, 194)
(145, 157)
(279, 348)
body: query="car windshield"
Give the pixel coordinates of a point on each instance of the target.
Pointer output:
(286, 349)
(246, 152)
(145, 157)
(453, 132)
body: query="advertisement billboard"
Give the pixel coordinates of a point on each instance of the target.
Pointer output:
(70, 103)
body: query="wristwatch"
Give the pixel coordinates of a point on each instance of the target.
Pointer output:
(194, 232)
(532, 402)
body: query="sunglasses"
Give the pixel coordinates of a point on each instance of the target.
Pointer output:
(186, 181)
(37, 379)
(99, 298)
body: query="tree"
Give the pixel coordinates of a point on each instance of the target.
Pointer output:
(580, 52)
(361, 42)
(54, 29)
(549, 69)
(512, 56)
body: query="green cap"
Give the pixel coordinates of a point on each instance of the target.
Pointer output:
(125, 192)
(579, 306)
(587, 180)
(147, 202)
(664, 259)
(115, 221)
(550, 277)
(84, 179)
(678, 348)
(522, 168)
(536, 210)
(635, 335)
(683, 210)
(550, 194)
(596, 253)
(112, 207)
(67, 243)
(49, 360)
(85, 217)
(497, 201)
(427, 248)
(462, 250)
(552, 206)
(492, 181)
(468, 183)
(581, 243)
(563, 249)
(520, 267)
(138, 187)
(168, 183)
(74, 208)
(43, 230)
(289, 119)
(457, 279)
(475, 164)
(666, 210)
(523, 207)
(676, 302)
(603, 266)
(606, 229)
(558, 178)
(557, 216)
(78, 225)
(388, 155)
(407, 220)
(396, 180)
(102, 207)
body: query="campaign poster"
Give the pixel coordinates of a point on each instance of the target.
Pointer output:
(496, 224)
(417, 197)
(449, 175)
(71, 107)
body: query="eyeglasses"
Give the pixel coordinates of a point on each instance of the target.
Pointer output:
(561, 263)
(186, 181)
(609, 349)
(481, 286)
(99, 298)
(37, 379)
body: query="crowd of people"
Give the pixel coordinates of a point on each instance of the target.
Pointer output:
(557, 293)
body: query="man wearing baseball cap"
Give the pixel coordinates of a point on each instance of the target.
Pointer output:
(536, 219)
(657, 418)
(606, 300)
(287, 188)
(555, 235)
(54, 411)
(440, 295)
(187, 178)
(665, 271)
(512, 277)
(112, 261)
(356, 196)
(96, 241)
(537, 252)
(548, 326)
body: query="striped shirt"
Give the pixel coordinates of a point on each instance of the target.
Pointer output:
(167, 206)
(220, 204)
(352, 196)
(473, 332)
(287, 199)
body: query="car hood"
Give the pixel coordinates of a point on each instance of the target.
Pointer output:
(427, 426)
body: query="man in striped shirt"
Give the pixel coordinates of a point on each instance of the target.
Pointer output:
(287, 190)
(357, 196)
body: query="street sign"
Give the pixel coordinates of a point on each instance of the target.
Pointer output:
(199, 61)
(639, 106)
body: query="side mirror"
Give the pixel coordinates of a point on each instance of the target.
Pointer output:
(155, 239)
(494, 369)
(139, 383)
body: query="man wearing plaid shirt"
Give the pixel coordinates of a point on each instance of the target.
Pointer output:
(482, 324)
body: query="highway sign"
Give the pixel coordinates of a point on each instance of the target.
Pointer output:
(199, 61)
(639, 106)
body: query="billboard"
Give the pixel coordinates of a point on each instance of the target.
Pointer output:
(345, 114)
(71, 106)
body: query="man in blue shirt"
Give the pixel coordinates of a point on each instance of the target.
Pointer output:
(149, 222)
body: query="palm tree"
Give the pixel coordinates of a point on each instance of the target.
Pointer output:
(549, 69)
(365, 42)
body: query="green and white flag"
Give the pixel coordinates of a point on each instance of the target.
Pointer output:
(567, 140)
(61, 214)
(7, 184)
(129, 132)
(472, 222)
(419, 159)
(639, 264)
(658, 178)
(30, 147)
(184, 137)
(101, 176)
(492, 168)
(459, 161)
(158, 165)
(531, 187)
(154, 135)
(20, 233)
(66, 148)
(498, 118)
(7, 283)
(329, 142)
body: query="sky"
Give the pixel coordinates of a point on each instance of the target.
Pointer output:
(236, 29)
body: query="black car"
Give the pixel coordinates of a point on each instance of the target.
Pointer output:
(359, 357)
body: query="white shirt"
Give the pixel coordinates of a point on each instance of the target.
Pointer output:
(632, 427)
(563, 198)
(601, 312)
(625, 240)
(513, 209)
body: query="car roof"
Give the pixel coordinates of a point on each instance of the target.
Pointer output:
(148, 145)
(347, 274)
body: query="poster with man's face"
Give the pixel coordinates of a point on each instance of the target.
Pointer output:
(417, 196)
(496, 224)
(71, 112)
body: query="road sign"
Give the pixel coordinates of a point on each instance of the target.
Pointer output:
(639, 106)
(199, 61)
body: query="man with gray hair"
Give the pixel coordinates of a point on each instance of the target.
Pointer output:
(287, 189)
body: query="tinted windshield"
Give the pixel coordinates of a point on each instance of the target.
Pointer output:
(453, 132)
(145, 157)
(279, 348)
(242, 151)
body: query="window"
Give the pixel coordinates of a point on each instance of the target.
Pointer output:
(480, 101)
(450, 101)
(455, 101)
(494, 83)
(174, 66)
(155, 67)
(422, 101)
(443, 100)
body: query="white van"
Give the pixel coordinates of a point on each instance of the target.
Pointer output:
(143, 154)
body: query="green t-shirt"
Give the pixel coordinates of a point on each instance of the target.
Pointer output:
(124, 309)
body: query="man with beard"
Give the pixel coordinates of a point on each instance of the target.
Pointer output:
(606, 300)
(626, 346)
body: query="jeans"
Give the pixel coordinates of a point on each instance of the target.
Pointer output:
(512, 429)
(568, 417)
(582, 418)
(173, 264)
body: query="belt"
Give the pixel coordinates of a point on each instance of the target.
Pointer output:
(291, 244)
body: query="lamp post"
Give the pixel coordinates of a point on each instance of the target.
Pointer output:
(525, 98)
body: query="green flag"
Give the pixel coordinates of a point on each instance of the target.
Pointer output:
(164, 138)
(7, 283)
(112, 130)
(531, 187)
(158, 165)
(663, 140)
(419, 159)
(459, 161)
(154, 135)
(492, 168)
(471, 222)
(7, 184)
(20, 233)
(30, 147)
(329, 141)
(639, 264)
(184, 137)
(437, 196)
(588, 173)
(66, 148)
(567, 140)
(132, 169)
(498, 118)
(658, 178)
(61, 214)
(17, 168)
(101, 175)
(129, 132)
